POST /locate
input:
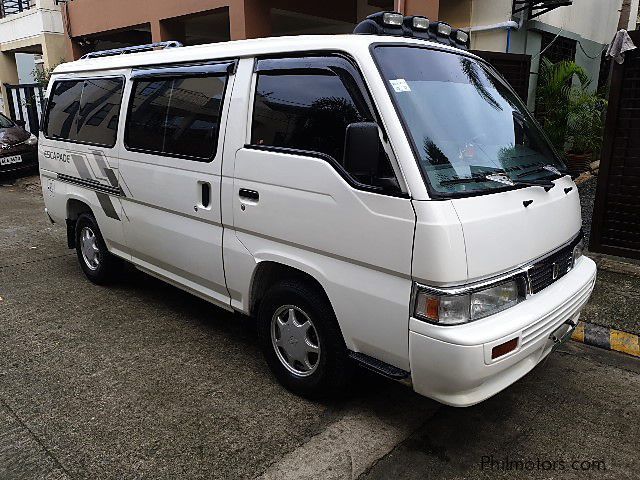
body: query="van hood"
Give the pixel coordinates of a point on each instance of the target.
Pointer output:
(505, 230)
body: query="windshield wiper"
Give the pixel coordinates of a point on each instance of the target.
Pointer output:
(543, 168)
(546, 184)
(463, 180)
(500, 177)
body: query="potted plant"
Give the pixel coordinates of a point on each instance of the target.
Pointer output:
(571, 115)
(553, 94)
(585, 127)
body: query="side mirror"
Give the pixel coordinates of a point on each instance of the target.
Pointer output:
(20, 123)
(361, 149)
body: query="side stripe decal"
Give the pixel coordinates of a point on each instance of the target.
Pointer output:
(91, 184)
(104, 193)
(81, 166)
(107, 206)
(103, 166)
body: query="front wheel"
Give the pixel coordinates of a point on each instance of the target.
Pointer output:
(301, 340)
(96, 262)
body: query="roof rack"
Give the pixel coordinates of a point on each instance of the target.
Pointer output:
(136, 49)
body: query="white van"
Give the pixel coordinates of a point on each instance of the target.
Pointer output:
(377, 199)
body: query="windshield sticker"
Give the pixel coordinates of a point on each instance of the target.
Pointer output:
(400, 85)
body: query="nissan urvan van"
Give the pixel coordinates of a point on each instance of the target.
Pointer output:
(382, 198)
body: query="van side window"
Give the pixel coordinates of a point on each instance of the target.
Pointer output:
(99, 111)
(63, 107)
(310, 110)
(305, 112)
(85, 111)
(176, 116)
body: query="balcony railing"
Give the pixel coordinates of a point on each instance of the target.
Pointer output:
(11, 7)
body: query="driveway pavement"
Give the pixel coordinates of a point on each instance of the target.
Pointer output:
(141, 380)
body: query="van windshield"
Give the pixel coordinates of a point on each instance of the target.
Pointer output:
(464, 122)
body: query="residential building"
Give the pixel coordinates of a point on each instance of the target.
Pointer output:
(32, 27)
(98, 24)
(577, 30)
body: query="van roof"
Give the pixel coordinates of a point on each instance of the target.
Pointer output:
(238, 49)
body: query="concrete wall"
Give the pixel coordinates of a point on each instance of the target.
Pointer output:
(592, 23)
(247, 18)
(456, 13)
(595, 20)
(490, 12)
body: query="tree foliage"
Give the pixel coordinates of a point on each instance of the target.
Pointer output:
(570, 114)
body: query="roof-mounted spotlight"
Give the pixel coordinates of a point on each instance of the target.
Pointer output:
(393, 23)
(416, 26)
(381, 23)
(420, 24)
(392, 19)
(443, 29)
(462, 37)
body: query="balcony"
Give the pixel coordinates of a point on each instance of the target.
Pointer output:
(11, 7)
(22, 22)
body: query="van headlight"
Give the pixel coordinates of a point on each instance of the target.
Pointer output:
(464, 305)
(32, 140)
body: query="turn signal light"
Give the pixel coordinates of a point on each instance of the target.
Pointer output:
(504, 348)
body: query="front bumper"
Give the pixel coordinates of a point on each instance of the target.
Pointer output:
(453, 364)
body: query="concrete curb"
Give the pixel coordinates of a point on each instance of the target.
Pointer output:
(607, 338)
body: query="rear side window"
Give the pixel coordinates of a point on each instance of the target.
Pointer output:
(99, 111)
(85, 111)
(63, 107)
(176, 116)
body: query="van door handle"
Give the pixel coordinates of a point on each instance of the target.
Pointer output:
(205, 196)
(249, 194)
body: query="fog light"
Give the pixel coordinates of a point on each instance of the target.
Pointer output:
(504, 348)
(444, 29)
(421, 23)
(392, 19)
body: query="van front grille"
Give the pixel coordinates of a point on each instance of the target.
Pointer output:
(549, 269)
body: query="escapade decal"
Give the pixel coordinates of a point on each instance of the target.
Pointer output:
(92, 172)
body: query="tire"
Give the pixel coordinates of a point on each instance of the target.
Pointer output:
(97, 263)
(326, 372)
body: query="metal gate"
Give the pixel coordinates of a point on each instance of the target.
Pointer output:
(25, 103)
(616, 216)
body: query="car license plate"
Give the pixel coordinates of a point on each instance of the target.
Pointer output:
(10, 160)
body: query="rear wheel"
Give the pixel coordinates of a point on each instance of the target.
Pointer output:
(301, 340)
(96, 262)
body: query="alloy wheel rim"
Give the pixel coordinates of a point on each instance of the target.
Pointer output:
(89, 248)
(295, 340)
